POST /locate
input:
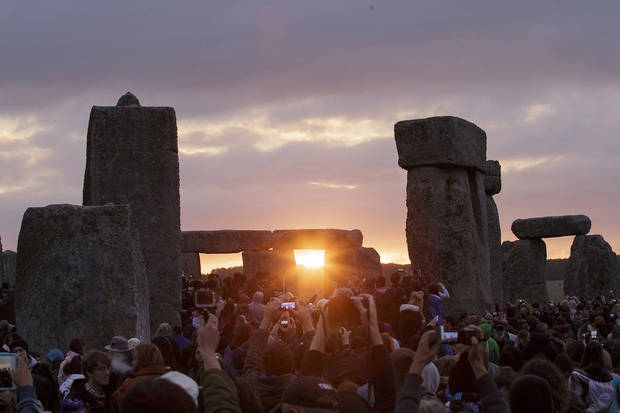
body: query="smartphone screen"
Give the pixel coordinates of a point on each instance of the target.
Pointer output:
(288, 305)
(8, 362)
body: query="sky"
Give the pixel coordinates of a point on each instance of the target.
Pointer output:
(285, 109)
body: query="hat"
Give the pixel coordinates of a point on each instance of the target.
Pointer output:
(19, 343)
(310, 391)
(183, 381)
(118, 344)
(55, 354)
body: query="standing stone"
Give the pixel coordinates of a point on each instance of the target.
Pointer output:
(492, 186)
(132, 158)
(80, 273)
(592, 268)
(8, 267)
(276, 262)
(357, 263)
(447, 223)
(191, 264)
(523, 270)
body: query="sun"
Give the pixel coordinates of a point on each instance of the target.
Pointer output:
(310, 258)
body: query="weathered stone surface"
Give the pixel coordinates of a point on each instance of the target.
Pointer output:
(317, 239)
(128, 99)
(275, 262)
(492, 177)
(132, 158)
(592, 268)
(546, 227)
(8, 267)
(226, 241)
(191, 264)
(440, 141)
(447, 233)
(495, 250)
(81, 270)
(523, 270)
(357, 262)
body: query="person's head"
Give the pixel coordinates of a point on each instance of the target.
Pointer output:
(157, 396)
(167, 351)
(395, 278)
(278, 359)
(258, 297)
(96, 368)
(530, 394)
(8, 401)
(512, 357)
(557, 381)
(409, 325)
(74, 366)
(310, 394)
(592, 359)
(434, 289)
(498, 331)
(19, 347)
(147, 355)
(431, 406)
(77, 346)
(504, 378)
(380, 282)
(164, 330)
(575, 349)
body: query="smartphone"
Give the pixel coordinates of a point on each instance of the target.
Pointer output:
(8, 361)
(288, 305)
(593, 334)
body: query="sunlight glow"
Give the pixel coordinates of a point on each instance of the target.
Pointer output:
(310, 258)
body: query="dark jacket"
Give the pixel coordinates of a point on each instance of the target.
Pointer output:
(45, 386)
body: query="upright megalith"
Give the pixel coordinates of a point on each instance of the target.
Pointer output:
(132, 158)
(276, 262)
(523, 270)
(80, 273)
(492, 186)
(592, 268)
(191, 264)
(353, 263)
(447, 228)
(8, 267)
(548, 227)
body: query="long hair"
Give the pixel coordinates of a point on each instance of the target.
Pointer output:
(147, 355)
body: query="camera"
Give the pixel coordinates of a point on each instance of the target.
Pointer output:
(463, 336)
(204, 300)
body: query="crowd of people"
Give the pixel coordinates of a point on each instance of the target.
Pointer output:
(245, 345)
